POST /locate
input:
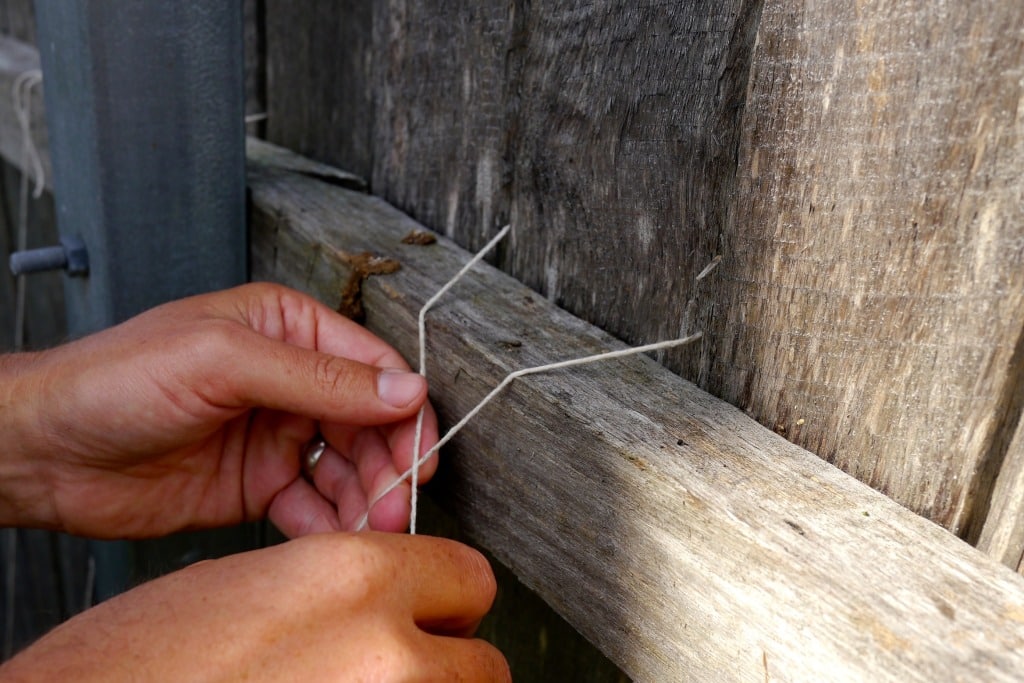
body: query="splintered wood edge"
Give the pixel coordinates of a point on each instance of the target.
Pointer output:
(1002, 536)
(677, 534)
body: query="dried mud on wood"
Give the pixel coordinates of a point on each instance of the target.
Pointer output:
(420, 237)
(361, 267)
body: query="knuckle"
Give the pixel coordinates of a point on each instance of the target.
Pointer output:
(337, 376)
(214, 339)
(210, 346)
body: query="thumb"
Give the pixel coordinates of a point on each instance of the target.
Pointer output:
(281, 376)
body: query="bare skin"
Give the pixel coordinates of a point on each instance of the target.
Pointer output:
(195, 415)
(327, 607)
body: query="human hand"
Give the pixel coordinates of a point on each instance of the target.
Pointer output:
(195, 414)
(333, 607)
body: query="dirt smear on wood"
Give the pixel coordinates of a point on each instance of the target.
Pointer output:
(363, 266)
(420, 237)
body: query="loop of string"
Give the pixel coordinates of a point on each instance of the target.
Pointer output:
(22, 95)
(422, 327)
(412, 474)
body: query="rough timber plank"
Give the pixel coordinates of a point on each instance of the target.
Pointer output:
(856, 164)
(682, 538)
(317, 106)
(873, 284)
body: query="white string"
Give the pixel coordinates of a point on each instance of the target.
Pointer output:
(22, 94)
(450, 434)
(422, 326)
(412, 473)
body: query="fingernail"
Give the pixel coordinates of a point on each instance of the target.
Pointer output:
(398, 388)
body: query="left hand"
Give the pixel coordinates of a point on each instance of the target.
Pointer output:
(331, 607)
(195, 414)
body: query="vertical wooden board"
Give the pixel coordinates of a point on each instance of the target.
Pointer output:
(608, 130)
(872, 290)
(320, 56)
(625, 156)
(444, 112)
(255, 63)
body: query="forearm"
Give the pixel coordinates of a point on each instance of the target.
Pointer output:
(25, 497)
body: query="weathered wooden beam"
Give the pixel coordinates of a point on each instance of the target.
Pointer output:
(681, 537)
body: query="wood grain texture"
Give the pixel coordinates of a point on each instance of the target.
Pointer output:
(681, 537)
(856, 165)
(447, 158)
(873, 284)
(322, 108)
(1003, 534)
(255, 64)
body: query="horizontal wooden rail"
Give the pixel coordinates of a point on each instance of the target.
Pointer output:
(681, 537)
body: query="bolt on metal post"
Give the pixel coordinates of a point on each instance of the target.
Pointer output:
(70, 255)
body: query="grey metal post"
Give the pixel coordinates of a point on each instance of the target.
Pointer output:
(145, 106)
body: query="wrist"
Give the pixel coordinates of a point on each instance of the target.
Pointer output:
(24, 494)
